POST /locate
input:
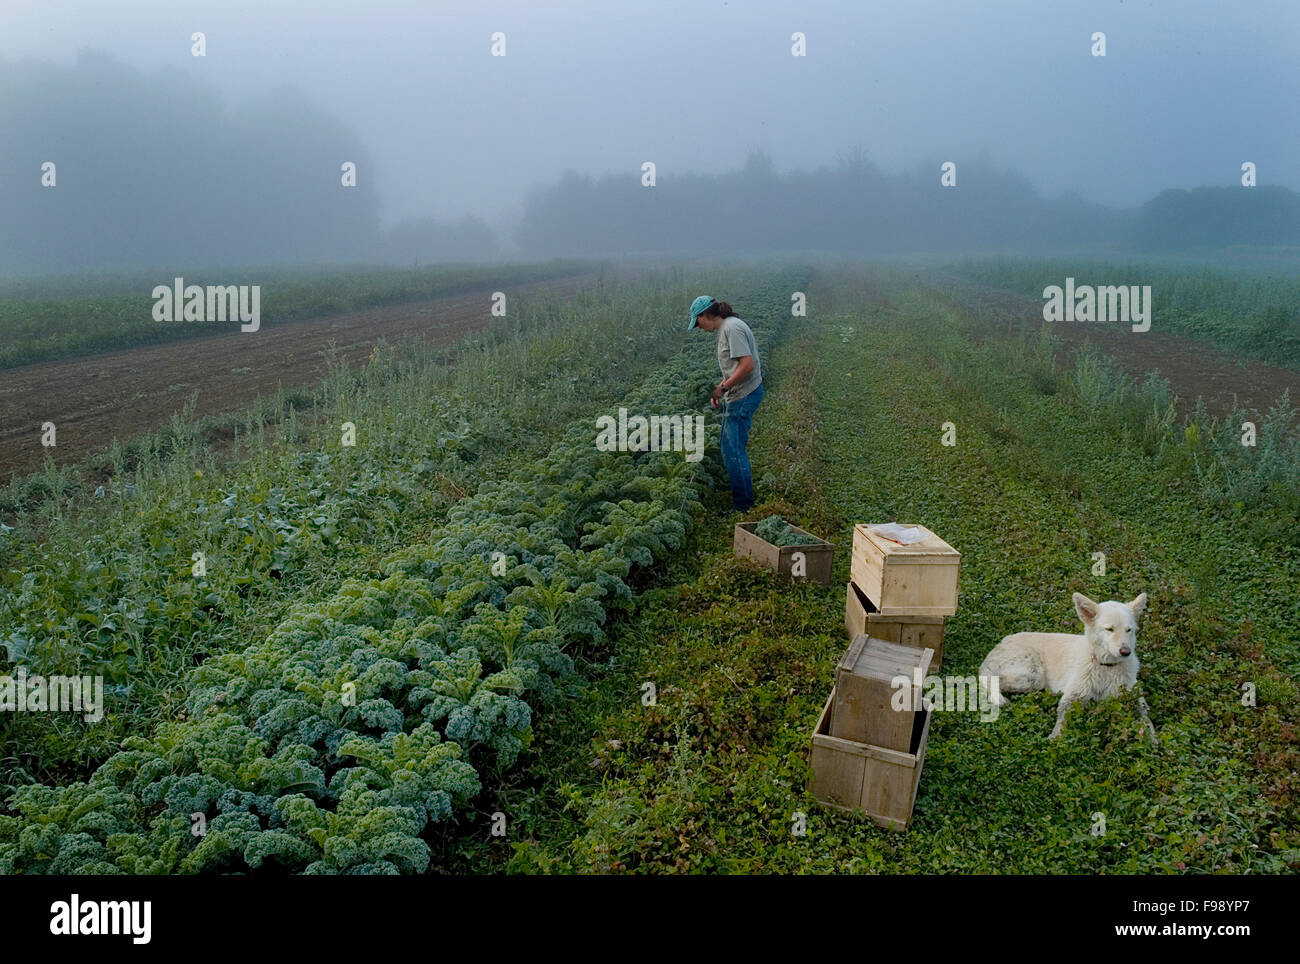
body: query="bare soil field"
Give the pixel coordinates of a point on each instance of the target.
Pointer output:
(94, 399)
(1193, 368)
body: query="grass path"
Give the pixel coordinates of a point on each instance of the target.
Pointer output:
(710, 778)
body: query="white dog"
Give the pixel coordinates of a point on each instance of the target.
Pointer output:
(1094, 666)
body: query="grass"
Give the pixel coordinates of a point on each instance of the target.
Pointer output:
(712, 777)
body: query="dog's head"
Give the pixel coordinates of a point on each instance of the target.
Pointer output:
(1110, 626)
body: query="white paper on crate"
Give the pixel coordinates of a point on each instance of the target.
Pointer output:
(898, 533)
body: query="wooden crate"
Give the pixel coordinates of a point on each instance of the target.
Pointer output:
(915, 580)
(856, 609)
(856, 776)
(781, 559)
(919, 632)
(864, 710)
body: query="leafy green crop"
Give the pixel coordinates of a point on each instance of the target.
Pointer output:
(96, 577)
(333, 744)
(778, 532)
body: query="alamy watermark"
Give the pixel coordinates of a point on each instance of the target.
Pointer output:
(1127, 303)
(129, 918)
(654, 433)
(982, 694)
(182, 302)
(21, 693)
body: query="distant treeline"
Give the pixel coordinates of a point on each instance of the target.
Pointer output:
(156, 170)
(854, 208)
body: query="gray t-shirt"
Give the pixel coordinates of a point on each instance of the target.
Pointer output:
(735, 341)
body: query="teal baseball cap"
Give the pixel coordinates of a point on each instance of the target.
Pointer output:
(697, 306)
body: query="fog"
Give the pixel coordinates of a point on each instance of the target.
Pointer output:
(161, 157)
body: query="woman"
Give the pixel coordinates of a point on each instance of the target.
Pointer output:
(740, 390)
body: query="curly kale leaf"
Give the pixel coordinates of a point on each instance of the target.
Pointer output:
(640, 531)
(778, 532)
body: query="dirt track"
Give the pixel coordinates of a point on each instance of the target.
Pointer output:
(1192, 367)
(96, 398)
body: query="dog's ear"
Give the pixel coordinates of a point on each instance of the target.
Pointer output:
(1138, 605)
(1085, 607)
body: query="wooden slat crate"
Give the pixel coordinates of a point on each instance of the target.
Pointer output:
(856, 609)
(915, 580)
(817, 558)
(856, 776)
(919, 632)
(864, 710)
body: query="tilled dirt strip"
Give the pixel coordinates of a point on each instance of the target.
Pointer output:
(1193, 368)
(94, 399)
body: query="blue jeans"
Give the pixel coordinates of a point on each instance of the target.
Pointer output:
(736, 417)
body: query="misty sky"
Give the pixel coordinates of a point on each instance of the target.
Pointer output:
(1189, 89)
